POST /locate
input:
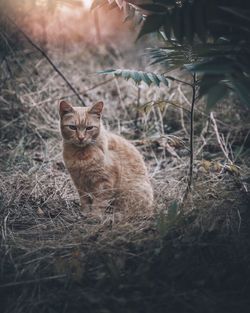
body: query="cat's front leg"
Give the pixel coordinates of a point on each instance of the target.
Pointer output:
(86, 201)
(103, 196)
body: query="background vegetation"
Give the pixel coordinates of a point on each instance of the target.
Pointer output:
(192, 257)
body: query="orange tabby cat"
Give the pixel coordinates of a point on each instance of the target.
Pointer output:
(106, 169)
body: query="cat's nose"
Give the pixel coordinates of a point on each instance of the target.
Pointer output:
(81, 138)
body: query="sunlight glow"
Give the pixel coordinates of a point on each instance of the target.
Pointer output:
(44, 3)
(87, 3)
(66, 22)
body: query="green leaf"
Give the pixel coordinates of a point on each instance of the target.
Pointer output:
(154, 78)
(145, 78)
(242, 88)
(215, 66)
(163, 79)
(138, 76)
(215, 94)
(171, 58)
(207, 82)
(151, 24)
(126, 75)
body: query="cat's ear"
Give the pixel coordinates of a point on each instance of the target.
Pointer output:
(64, 108)
(97, 108)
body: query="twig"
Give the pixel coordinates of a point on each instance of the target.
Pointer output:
(32, 281)
(191, 160)
(88, 89)
(119, 92)
(182, 121)
(48, 59)
(161, 120)
(178, 80)
(138, 101)
(178, 106)
(239, 216)
(168, 102)
(191, 165)
(203, 136)
(223, 148)
(183, 95)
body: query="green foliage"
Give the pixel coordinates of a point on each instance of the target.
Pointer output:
(172, 57)
(208, 37)
(215, 94)
(138, 76)
(151, 24)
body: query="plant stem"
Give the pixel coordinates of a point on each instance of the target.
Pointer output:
(191, 164)
(179, 80)
(137, 107)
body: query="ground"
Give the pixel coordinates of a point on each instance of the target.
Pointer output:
(191, 255)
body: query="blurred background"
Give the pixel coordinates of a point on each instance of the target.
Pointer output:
(63, 23)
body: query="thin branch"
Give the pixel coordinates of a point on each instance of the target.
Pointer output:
(221, 144)
(184, 96)
(183, 122)
(167, 102)
(178, 106)
(191, 165)
(48, 59)
(138, 101)
(88, 89)
(203, 135)
(179, 80)
(191, 160)
(32, 281)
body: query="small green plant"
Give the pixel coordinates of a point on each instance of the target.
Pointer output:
(205, 38)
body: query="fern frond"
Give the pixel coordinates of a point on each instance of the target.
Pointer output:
(148, 78)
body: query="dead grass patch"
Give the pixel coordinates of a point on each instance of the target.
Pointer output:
(55, 258)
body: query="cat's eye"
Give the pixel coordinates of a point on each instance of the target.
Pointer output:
(72, 127)
(89, 127)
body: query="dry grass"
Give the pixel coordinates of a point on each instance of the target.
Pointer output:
(54, 258)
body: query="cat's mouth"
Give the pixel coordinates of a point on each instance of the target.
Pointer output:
(81, 144)
(84, 143)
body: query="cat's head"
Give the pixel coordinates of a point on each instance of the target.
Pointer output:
(80, 126)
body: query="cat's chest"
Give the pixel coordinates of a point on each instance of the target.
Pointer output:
(83, 157)
(87, 164)
(87, 171)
